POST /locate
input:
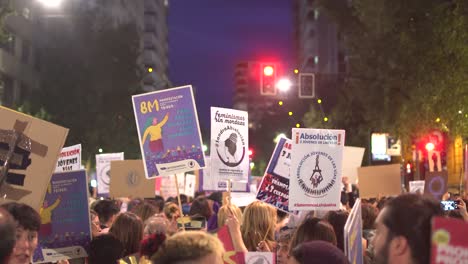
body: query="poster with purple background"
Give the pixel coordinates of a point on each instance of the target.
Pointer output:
(168, 131)
(65, 229)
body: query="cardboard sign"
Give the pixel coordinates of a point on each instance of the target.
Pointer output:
(383, 180)
(65, 229)
(353, 235)
(229, 149)
(103, 163)
(69, 159)
(416, 187)
(436, 184)
(449, 243)
(168, 131)
(274, 188)
(128, 179)
(31, 147)
(352, 160)
(315, 177)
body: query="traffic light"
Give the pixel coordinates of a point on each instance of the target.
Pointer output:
(251, 153)
(306, 85)
(268, 79)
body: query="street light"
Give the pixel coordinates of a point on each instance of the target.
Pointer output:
(284, 85)
(51, 3)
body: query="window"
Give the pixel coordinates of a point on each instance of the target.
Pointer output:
(25, 51)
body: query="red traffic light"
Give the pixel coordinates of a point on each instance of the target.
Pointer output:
(251, 152)
(268, 70)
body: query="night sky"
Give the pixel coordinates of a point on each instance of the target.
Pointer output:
(208, 37)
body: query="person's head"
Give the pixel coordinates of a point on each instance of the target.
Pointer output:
(183, 199)
(313, 228)
(107, 210)
(128, 229)
(155, 121)
(201, 206)
(171, 211)
(282, 248)
(337, 219)
(145, 210)
(225, 211)
(258, 224)
(27, 222)
(199, 193)
(194, 247)
(105, 249)
(7, 235)
(150, 244)
(403, 229)
(216, 197)
(157, 225)
(368, 216)
(159, 203)
(317, 252)
(95, 224)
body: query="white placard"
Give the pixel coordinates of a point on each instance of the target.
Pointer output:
(69, 159)
(103, 162)
(168, 185)
(352, 160)
(315, 177)
(416, 187)
(190, 182)
(229, 149)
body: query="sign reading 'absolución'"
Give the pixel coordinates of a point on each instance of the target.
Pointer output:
(316, 169)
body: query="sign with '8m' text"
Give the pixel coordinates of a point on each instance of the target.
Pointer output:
(315, 177)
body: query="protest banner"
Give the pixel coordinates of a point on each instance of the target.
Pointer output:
(69, 159)
(274, 188)
(382, 180)
(103, 171)
(436, 184)
(449, 244)
(315, 177)
(168, 131)
(65, 231)
(416, 187)
(352, 160)
(229, 150)
(29, 148)
(353, 235)
(259, 257)
(129, 179)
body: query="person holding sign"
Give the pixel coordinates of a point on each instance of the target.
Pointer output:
(403, 230)
(155, 132)
(28, 223)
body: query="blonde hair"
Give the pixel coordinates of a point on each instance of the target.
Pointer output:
(259, 223)
(188, 246)
(225, 211)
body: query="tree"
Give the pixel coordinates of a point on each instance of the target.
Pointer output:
(89, 75)
(407, 64)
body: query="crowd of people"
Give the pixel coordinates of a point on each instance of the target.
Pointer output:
(395, 230)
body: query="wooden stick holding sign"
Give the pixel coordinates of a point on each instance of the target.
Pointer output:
(229, 193)
(178, 199)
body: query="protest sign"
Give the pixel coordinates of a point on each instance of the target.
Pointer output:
(189, 185)
(315, 177)
(128, 179)
(259, 257)
(230, 256)
(352, 160)
(353, 234)
(229, 150)
(274, 188)
(168, 131)
(449, 243)
(69, 159)
(168, 186)
(436, 184)
(383, 180)
(416, 187)
(65, 229)
(29, 148)
(103, 171)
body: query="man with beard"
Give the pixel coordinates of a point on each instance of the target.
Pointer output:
(403, 230)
